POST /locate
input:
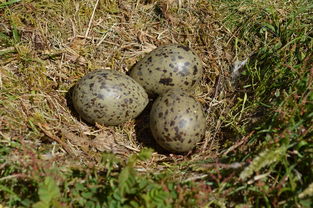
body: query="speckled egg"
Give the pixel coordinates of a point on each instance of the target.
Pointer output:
(108, 97)
(168, 67)
(177, 121)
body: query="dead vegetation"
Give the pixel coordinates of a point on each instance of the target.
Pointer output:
(46, 46)
(62, 42)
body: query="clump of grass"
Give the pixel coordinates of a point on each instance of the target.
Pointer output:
(278, 87)
(258, 146)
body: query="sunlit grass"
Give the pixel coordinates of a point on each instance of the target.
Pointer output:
(257, 151)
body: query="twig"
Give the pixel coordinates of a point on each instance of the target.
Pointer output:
(7, 50)
(243, 140)
(105, 35)
(91, 18)
(234, 165)
(195, 178)
(19, 175)
(218, 86)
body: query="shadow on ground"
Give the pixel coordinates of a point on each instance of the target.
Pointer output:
(69, 102)
(143, 132)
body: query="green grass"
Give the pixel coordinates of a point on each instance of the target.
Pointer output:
(258, 149)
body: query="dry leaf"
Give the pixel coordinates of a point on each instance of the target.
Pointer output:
(82, 142)
(104, 142)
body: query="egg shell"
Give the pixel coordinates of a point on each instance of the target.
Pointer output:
(108, 97)
(177, 121)
(168, 67)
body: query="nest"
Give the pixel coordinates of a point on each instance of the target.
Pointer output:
(114, 35)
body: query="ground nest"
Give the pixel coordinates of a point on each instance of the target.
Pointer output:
(59, 43)
(256, 90)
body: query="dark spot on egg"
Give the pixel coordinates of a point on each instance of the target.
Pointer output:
(104, 75)
(166, 101)
(180, 139)
(195, 70)
(93, 100)
(172, 123)
(166, 81)
(167, 138)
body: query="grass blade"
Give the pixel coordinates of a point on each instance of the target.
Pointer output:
(6, 4)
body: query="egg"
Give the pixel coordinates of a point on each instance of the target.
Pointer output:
(168, 67)
(177, 121)
(108, 97)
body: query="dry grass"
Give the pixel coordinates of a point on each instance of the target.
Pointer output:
(60, 42)
(47, 45)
